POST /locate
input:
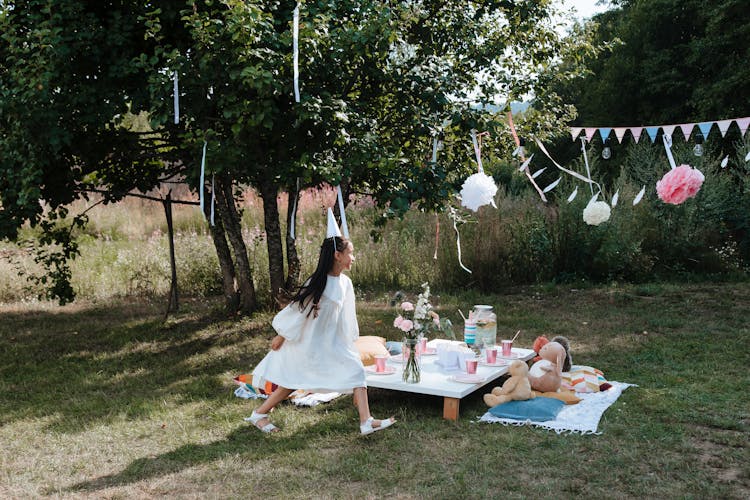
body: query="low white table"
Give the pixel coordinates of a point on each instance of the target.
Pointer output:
(434, 381)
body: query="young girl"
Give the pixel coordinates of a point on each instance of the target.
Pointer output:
(314, 346)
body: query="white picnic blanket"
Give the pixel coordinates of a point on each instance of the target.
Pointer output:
(299, 398)
(580, 418)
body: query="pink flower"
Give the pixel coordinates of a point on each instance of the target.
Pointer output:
(679, 184)
(406, 325)
(407, 306)
(397, 322)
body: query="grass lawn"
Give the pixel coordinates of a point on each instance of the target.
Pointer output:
(108, 400)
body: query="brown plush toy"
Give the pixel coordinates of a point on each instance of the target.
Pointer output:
(516, 388)
(546, 375)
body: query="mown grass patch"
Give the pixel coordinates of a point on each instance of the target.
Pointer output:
(109, 400)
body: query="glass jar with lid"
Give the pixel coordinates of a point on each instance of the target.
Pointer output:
(486, 321)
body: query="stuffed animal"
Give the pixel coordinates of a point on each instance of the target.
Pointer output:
(546, 375)
(539, 342)
(516, 388)
(568, 361)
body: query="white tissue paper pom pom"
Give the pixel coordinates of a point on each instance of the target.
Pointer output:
(595, 213)
(478, 190)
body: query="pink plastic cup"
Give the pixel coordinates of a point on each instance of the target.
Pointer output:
(491, 353)
(422, 345)
(471, 366)
(380, 363)
(507, 346)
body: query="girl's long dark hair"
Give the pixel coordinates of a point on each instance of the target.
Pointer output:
(315, 284)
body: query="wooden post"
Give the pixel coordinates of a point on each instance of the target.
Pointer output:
(450, 408)
(173, 298)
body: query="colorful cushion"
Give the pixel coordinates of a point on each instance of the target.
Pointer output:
(583, 379)
(538, 409)
(370, 346)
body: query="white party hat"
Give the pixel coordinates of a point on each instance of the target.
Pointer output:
(333, 228)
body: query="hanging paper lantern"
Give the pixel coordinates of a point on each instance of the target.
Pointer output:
(679, 184)
(478, 190)
(596, 212)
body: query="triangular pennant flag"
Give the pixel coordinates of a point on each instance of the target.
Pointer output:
(636, 131)
(705, 128)
(724, 126)
(604, 132)
(743, 123)
(590, 131)
(668, 129)
(620, 133)
(652, 131)
(687, 129)
(575, 132)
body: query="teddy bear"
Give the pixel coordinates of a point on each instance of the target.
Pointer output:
(516, 388)
(546, 374)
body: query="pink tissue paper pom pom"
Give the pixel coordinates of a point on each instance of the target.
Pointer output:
(397, 322)
(679, 184)
(406, 325)
(407, 306)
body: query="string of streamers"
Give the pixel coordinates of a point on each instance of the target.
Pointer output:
(213, 198)
(586, 161)
(203, 177)
(668, 148)
(525, 163)
(176, 99)
(477, 152)
(458, 242)
(295, 48)
(294, 212)
(344, 227)
(437, 219)
(569, 172)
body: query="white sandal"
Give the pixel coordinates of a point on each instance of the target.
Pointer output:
(257, 417)
(367, 427)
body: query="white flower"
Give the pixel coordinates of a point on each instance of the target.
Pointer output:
(595, 213)
(478, 190)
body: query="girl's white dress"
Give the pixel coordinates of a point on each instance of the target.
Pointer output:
(318, 353)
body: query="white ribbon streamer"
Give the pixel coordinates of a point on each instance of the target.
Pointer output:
(458, 245)
(213, 198)
(477, 152)
(434, 149)
(176, 98)
(344, 227)
(668, 147)
(294, 212)
(203, 176)
(570, 172)
(295, 48)
(586, 161)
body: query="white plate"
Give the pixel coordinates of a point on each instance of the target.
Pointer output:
(430, 351)
(389, 370)
(498, 362)
(513, 354)
(466, 378)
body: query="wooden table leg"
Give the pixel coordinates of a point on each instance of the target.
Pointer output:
(450, 408)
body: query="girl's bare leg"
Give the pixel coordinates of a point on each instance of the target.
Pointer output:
(276, 397)
(363, 406)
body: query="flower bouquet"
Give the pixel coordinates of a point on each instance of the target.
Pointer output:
(416, 322)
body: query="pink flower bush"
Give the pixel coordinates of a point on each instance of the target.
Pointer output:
(679, 184)
(407, 306)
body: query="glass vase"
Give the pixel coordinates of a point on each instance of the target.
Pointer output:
(411, 368)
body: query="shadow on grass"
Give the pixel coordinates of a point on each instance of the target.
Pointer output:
(83, 366)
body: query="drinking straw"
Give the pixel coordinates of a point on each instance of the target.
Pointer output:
(462, 314)
(514, 338)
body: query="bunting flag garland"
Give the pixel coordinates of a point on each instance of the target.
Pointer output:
(295, 49)
(669, 129)
(344, 226)
(176, 99)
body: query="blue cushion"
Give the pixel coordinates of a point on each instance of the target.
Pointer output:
(539, 409)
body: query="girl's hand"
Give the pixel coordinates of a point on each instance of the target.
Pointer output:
(276, 342)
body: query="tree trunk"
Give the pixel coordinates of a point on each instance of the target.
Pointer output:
(228, 285)
(268, 192)
(233, 228)
(173, 304)
(292, 259)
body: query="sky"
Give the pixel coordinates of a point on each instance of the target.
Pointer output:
(585, 8)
